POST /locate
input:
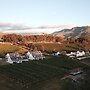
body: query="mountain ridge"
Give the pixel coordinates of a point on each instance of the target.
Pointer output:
(74, 32)
(64, 33)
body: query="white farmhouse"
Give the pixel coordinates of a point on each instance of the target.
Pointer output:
(30, 56)
(12, 57)
(38, 55)
(9, 59)
(35, 55)
(71, 54)
(78, 53)
(58, 53)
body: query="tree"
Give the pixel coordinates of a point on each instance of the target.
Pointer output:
(14, 38)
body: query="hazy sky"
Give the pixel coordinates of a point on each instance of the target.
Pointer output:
(45, 12)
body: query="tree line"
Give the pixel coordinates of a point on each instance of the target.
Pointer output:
(83, 41)
(15, 38)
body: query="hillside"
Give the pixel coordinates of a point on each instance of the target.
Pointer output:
(1, 34)
(74, 32)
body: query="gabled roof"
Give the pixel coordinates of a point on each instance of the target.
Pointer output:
(15, 57)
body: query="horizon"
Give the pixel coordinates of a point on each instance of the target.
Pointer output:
(16, 28)
(47, 29)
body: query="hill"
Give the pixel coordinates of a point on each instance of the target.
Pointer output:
(1, 34)
(74, 32)
(7, 48)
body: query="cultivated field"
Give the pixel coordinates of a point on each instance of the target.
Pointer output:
(38, 75)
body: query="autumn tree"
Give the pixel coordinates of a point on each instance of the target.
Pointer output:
(14, 38)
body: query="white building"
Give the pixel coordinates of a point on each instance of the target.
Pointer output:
(58, 53)
(30, 56)
(12, 57)
(71, 54)
(9, 59)
(35, 55)
(77, 54)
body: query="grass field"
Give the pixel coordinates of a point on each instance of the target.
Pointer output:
(7, 48)
(50, 47)
(38, 75)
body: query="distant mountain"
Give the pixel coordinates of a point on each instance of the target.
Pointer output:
(74, 32)
(65, 30)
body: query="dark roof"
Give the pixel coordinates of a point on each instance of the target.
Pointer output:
(76, 71)
(15, 57)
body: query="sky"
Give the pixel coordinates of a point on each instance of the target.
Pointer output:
(45, 12)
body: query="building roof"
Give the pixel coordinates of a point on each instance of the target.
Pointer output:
(76, 71)
(15, 57)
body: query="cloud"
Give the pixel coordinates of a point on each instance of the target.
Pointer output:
(14, 28)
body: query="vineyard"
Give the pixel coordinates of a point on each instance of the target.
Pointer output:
(32, 73)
